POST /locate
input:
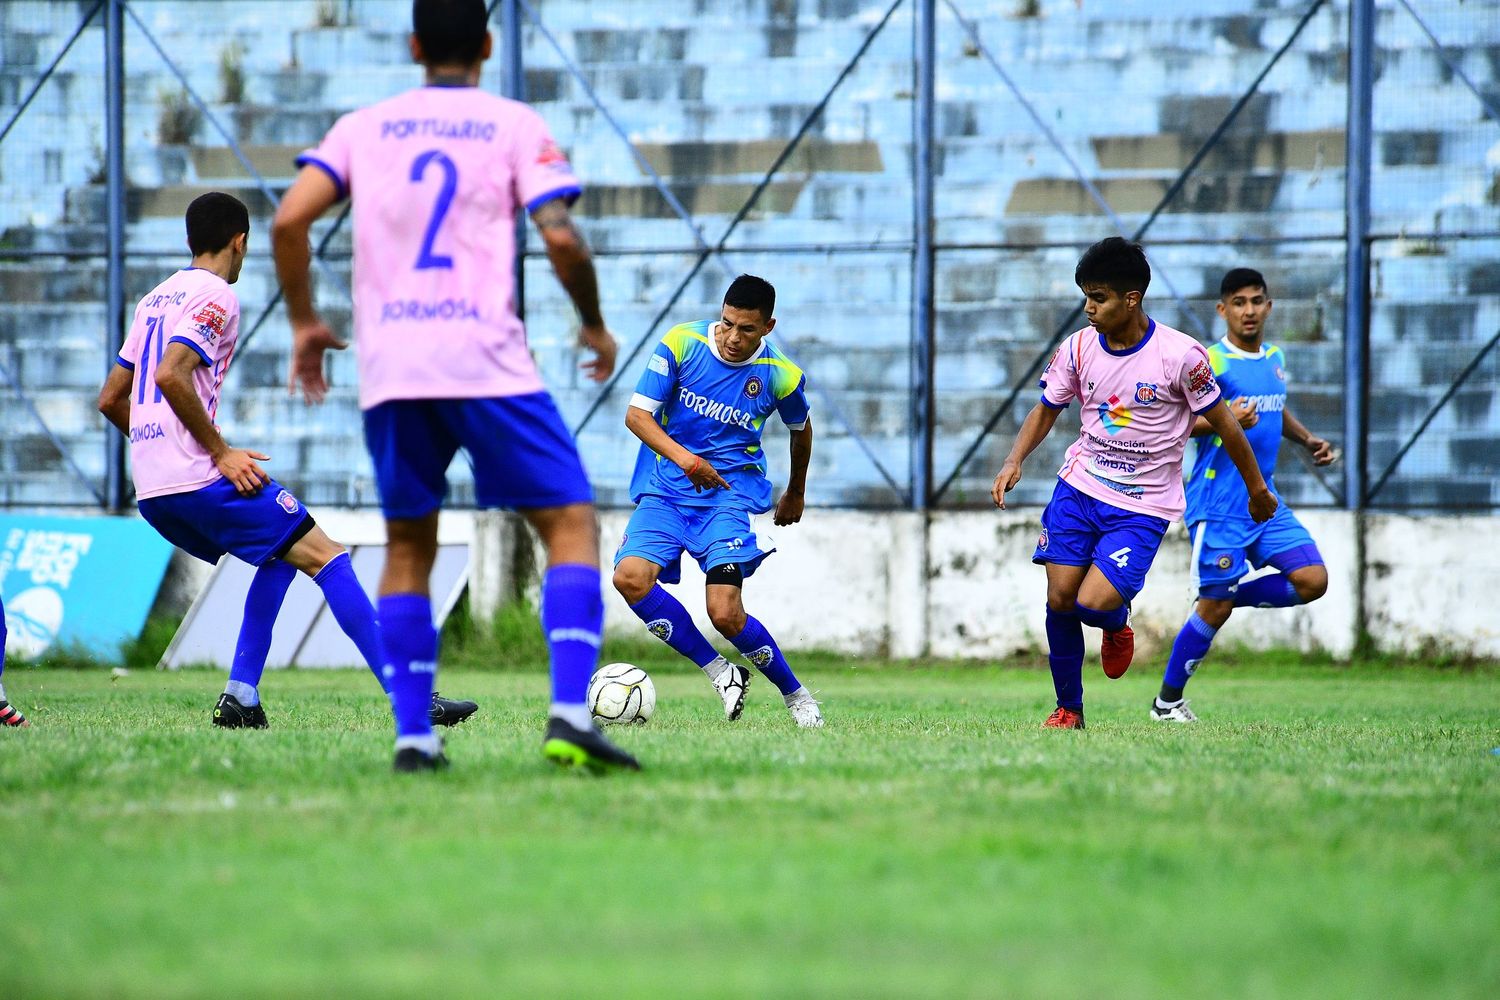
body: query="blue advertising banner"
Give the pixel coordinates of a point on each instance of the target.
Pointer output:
(88, 581)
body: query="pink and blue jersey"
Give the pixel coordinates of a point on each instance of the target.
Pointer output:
(438, 174)
(196, 308)
(1138, 407)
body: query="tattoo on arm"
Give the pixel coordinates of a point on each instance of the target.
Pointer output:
(570, 257)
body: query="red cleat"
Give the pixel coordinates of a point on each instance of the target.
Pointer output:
(1117, 651)
(1064, 718)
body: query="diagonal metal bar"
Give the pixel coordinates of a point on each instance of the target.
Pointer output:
(275, 299)
(36, 88)
(622, 365)
(1437, 407)
(1451, 63)
(234, 146)
(62, 451)
(1176, 187)
(972, 30)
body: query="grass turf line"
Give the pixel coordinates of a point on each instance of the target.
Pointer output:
(1329, 833)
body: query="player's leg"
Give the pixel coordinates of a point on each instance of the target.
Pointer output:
(651, 551)
(1127, 545)
(9, 714)
(1285, 545)
(525, 458)
(724, 596)
(1063, 547)
(1218, 562)
(239, 707)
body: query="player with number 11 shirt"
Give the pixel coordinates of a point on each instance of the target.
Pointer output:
(1139, 385)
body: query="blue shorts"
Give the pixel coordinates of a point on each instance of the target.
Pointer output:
(1225, 550)
(660, 531)
(1078, 530)
(216, 519)
(520, 449)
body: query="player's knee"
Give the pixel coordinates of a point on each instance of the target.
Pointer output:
(1311, 583)
(1061, 600)
(632, 584)
(1214, 612)
(728, 618)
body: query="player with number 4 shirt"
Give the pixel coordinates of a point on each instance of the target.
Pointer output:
(1139, 385)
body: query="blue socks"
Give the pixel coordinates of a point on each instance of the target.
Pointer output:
(761, 650)
(669, 621)
(411, 644)
(1188, 650)
(1109, 621)
(572, 620)
(262, 604)
(1065, 657)
(1271, 591)
(353, 611)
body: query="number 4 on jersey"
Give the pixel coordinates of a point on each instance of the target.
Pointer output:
(1121, 557)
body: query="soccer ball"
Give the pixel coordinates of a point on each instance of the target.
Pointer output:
(621, 692)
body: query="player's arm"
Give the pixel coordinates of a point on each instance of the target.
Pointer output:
(789, 507)
(1294, 430)
(114, 398)
(1263, 502)
(1243, 409)
(1034, 429)
(311, 194)
(643, 424)
(174, 377)
(574, 266)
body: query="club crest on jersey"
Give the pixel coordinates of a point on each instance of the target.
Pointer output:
(1041, 541)
(1225, 562)
(1145, 393)
(754, 386)
(1280, 373)
(288, 502)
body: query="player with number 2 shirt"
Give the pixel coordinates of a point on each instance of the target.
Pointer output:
(1139, 385)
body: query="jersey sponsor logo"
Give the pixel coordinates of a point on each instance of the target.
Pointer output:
(1145, 393)
(443, 311)
(1269, 403)
(437, 128)
(1201, 380)
(1124, 489)
(211, 320)
(1110, 467)
(754, 386)
(658, 364)
(288, 502)
(553, 157)
(1115, 415)
(661, 628)
(146, 432)
(712, 409)
(1052, 362)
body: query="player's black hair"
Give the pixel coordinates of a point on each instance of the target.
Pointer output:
(451, 31)
(1116, 263)
(749, 292)
(213, 220)
(1241, 277)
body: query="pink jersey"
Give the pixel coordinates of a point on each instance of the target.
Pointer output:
(437, 176)
(1138, 408)
(193, 307)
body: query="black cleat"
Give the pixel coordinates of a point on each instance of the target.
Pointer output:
(569, 747)
(410, 760)
(447, 712)
(230, 714)
(10, 715)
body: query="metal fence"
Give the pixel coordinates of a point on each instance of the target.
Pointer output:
(916, 176)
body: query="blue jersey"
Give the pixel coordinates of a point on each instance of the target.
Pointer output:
(1214, 488)
(716, 410)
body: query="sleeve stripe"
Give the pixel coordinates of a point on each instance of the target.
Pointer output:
(1053, 406)
(569, 194)
(200, 351)
(651, 406)
(1217, 400)
(308, 160)
(125, 364)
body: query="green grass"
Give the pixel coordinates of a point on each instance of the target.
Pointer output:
(1330, 831)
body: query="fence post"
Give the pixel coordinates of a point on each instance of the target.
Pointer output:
(114, 196)
(513, 85)
(923, 256)
(1357, 156)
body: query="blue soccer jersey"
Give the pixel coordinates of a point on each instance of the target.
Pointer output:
(716, 410)
(1214, 488)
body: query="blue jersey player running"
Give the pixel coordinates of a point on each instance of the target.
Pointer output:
(1226, 542)
(700, 409)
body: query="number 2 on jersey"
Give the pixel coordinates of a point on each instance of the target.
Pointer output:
(154, 331)
(426, 258)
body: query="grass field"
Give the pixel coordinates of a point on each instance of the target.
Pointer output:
(1324, 832)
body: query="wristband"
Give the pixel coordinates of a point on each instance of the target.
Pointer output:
(697, 461)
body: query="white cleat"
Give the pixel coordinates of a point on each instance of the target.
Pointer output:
(1172, 711)
(804, 709)
(732, 684)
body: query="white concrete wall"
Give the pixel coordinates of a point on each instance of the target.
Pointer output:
(860, 583)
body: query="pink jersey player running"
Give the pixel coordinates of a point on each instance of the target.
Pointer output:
(437, 176)
(1139, 385)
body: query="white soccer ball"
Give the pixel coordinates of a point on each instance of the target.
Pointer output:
(621, 692)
